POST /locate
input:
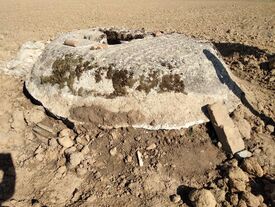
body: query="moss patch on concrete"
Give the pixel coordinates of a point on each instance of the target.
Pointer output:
(66, 70)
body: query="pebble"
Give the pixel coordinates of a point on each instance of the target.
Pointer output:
(175, 198)
(65, 142)
(203, 198)
(113, 151)
(270, 128)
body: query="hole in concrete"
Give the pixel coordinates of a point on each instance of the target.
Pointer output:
(118, 37)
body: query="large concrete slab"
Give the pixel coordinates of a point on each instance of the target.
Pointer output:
(117, 78)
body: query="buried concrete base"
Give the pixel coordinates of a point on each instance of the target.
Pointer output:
(117, 78)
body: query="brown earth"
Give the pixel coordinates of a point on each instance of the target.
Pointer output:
(100, 167)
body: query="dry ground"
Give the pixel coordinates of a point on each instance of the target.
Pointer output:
(109, 174)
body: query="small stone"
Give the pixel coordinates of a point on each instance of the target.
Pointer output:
(65, 142)
(75, 159)
(175, 198)
(243, 154)
(219, 144)
(129, 159)
(251, 166)
(250, 199)
(151, 147)
(237, 179)
(203, 198)
(139, 157)
(113, 151)
(66, 133)
(270, 128)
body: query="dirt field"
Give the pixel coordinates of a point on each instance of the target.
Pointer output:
(40, 172)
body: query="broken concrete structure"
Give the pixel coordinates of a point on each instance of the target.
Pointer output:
(117, 78)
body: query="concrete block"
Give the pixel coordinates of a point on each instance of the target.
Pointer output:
(226, 131)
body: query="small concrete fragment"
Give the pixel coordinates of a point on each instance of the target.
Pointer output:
(226, 131)
(243, 154)
(22, 64)
(139, 157)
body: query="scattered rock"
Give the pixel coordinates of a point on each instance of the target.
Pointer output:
(113, 151)
(139, 157)
(251, 166)
(237, 179)
(202, 198)
(227, 132)
(75, 159)
(175, 198)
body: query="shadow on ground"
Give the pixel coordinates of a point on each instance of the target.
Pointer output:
(7, 185)
(225, 78)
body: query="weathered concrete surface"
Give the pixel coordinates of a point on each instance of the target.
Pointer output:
(136, 78)
(225, 128)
